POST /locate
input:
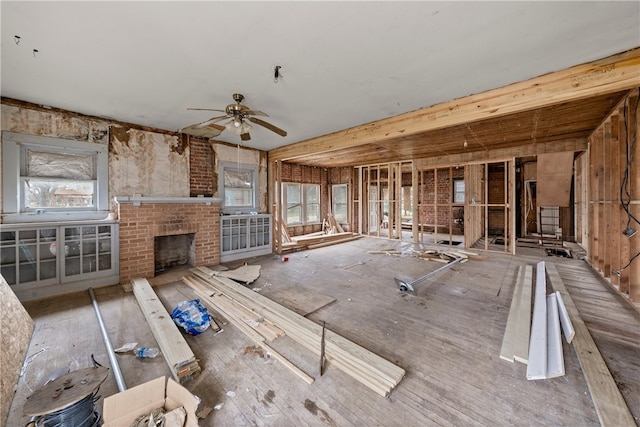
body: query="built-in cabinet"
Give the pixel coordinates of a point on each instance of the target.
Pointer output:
(36, 258)
(244, 236)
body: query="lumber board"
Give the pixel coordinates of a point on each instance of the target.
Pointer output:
(610, 406)
(537, 366)
(565, 320)
(555, 358)
(249, 331)
(177, 353)
(507, 350)
(348, 362)
(232, 309)
(523, 325)
(375, 372)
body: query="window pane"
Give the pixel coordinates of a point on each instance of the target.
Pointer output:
(293, 194)
(458, 189)
(59, 165)
(52, 193)
(238, 197)
(292, 199)
(311, 193)
(238, 189)
(237, 178)
(313, 213)
(339, 199)
(294, 214)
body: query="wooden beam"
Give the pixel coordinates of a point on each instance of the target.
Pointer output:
(501, 154)
(610, 406)
(177, 353)
(612, 74)
(634, 206)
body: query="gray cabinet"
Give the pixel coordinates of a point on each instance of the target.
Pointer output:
(42, 260)
(244, 236)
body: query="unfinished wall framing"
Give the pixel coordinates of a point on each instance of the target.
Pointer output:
(612, 178)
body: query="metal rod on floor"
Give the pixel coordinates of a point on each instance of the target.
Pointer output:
(107, 343)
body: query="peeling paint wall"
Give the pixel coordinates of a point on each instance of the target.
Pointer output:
(146, 163)
(140, 162)
(228, 153)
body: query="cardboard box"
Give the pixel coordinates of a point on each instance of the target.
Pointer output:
(123, 408)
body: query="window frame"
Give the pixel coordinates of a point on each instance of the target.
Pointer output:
(14, 149)
(304, 203)
(238, 209)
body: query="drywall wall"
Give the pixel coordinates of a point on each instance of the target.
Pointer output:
(16, 328)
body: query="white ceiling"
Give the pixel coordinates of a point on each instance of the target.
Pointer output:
(343, 63)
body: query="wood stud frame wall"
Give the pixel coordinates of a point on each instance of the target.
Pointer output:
(610, 146)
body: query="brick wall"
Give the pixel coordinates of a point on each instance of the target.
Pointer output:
(139, 225)
(200, 168)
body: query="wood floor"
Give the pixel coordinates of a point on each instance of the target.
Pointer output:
(447, 337)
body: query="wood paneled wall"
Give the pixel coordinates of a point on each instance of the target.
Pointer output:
(613, 176)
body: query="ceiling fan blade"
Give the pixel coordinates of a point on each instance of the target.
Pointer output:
(268, 126)
(205, 109)
(245, 136)
(209, 122)
(256, 113)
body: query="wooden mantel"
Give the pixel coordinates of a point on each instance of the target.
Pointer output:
(613, 74)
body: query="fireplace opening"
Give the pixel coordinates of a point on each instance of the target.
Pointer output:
(174, 251)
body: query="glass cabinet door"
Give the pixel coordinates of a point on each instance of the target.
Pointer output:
(29, 255)
(88, 250)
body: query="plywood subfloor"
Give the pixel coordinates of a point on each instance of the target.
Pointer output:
(447, 337)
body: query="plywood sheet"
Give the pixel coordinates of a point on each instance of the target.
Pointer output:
(16, 327)
(554, 179)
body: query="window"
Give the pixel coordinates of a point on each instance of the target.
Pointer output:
(458, 191)
(301, 203)
(238, 187)
(59, 178)
(339, 202)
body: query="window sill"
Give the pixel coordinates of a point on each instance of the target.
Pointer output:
(56, 217)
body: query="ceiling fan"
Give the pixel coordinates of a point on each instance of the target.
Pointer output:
(239, 116)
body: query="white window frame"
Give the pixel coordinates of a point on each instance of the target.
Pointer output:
(14, 149)
(238, 209)
(334, 202)
(304, 203)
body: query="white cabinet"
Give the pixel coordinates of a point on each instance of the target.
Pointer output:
(43, 260)
(244, 236)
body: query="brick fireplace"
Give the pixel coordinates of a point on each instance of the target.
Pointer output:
(142, 219)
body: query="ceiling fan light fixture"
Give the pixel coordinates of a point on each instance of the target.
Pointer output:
(230, 125)
(245, 128)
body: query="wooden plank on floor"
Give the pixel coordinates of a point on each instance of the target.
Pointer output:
(555, 358)
(507, 350)
(537, 367)
(523, 326)
(175, 350)
(565, 320)
(610, 406)
(375, 372)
